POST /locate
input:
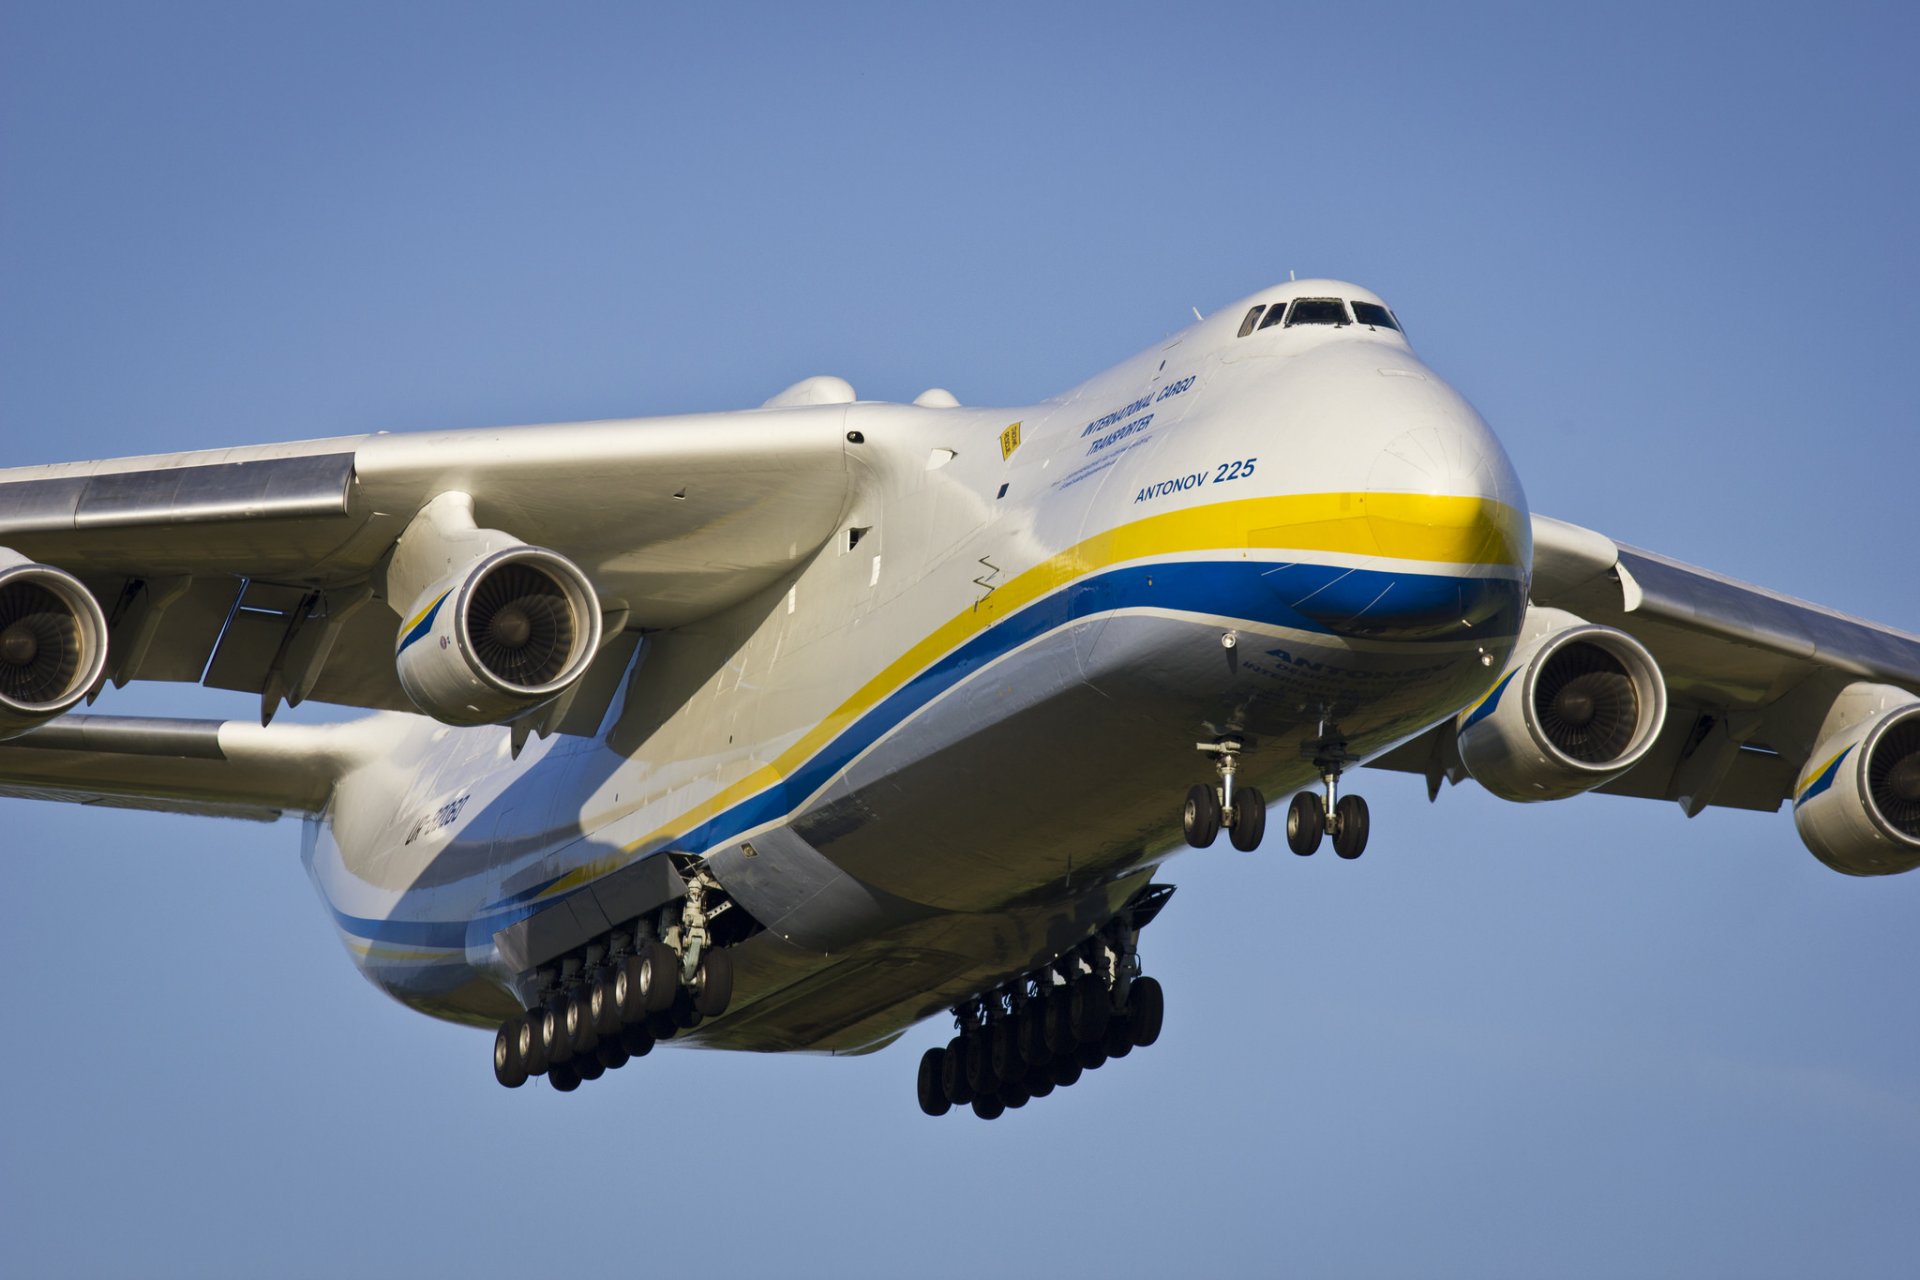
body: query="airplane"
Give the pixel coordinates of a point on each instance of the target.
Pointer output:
(789, 728)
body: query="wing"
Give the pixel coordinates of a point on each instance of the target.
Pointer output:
(1750, 674)
(260, 569)
(220, 769)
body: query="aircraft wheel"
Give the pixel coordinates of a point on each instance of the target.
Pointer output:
(1015, 1095)
(989, 1108)
(1350, 829)
(553, 1036)
(563, 1077)
(508, 1068)
(1033, 1034)
(1065, 1070)
(630, 990)
(1059, 1025)
(1091, 1009)
(1249, 819)
(659, 976)
(637, 1041)
(580, 1032)
(953, 1073)
(686, 1015)
(588, 1066)
(1091, 1057)
(661, 1026)
(713, 983)
(1200, 820)
(979, 1066)
(1306, 823)
(533, 1051)
(933, 1097)
(1039, 1081)
(612, 1055)
(1146, 1009)
(1007, 1064)
(604, 1008)
(1119, 1039)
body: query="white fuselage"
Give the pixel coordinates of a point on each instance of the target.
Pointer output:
(956, 736)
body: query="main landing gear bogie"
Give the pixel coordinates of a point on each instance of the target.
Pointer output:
(1242, 811)
(1046, 1029)
(599, 1015)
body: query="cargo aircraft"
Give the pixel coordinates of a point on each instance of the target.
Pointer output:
(708, 728)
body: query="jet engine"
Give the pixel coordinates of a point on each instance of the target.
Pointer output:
(1857, 805)
(53, 642)
(1578, 706)
(508, 634)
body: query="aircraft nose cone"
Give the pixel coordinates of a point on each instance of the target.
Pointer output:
(1442, 458)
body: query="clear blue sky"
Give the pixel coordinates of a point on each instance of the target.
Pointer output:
(1668, 252)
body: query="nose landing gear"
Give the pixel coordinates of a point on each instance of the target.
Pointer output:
(1242, 812)
(1345, 817)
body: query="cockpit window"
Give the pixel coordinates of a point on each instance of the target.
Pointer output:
(1274, 314)
(1253, 316)
(1317, 311)
(1374, 314)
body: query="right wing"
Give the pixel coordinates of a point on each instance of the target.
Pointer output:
(259, 569)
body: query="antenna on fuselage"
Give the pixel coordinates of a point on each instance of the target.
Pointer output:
(1289, 277)
(1196, 313)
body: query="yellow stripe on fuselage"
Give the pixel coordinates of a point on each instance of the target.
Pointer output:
(1443, 529)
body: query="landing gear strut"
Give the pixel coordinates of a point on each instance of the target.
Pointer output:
(1309, 817)
(1242, 811)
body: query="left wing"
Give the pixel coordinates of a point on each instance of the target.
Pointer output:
(1752, 678)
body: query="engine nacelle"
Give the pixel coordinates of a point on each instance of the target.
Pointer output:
(1579, 705)
(510, 633)
(53, 642)
(1857, 805)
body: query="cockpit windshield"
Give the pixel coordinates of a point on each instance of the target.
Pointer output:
(1372, 313)
(1318, 311)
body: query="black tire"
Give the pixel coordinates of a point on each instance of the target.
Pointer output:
(553, 1036)
(1091, 1009)
(1015, 1095)
(1146, 1010)
(532, 1053)
(580, 1032)
(685, 1015)
(563, 1077)
(605, 1010)
(588, 1067)
(1306, 823)
(612, 1055)
(637, 1041)
(661, 1026)
(1065, 1071)
(630, 991)
(508, 1069)
(1033, 1034)
(1350, 833)
(1091, 1057)
(1059, 1029)
(1249, 819)
(953, 1073)
(1039, 1081)
(989, 1108)
(1008, 1065)
(1200, 818)
(1119, 1041)
(659, 976)
(933, 1098)
(979, 1066)
(713, 983)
